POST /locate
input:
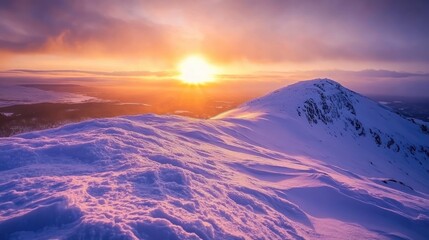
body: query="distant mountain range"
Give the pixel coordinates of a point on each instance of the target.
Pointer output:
(313, 160)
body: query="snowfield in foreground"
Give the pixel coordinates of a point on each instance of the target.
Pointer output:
(313, 160)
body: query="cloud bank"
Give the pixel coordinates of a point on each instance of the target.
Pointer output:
(256, 31)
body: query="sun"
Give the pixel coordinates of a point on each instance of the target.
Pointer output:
(196, 70)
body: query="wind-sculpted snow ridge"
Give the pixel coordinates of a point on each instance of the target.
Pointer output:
(290, 165)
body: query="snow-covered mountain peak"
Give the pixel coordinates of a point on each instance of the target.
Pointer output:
(321, 100)
(321, 112)
(326, 105)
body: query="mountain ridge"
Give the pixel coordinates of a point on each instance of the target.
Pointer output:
(331, 109)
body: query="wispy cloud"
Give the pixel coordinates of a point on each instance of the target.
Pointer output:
(370, 81)
(93, 73)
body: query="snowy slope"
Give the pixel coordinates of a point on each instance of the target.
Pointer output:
(309, 161)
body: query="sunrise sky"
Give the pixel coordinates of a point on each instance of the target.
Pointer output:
(361, 43)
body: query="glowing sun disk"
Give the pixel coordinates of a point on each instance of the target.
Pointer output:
(196, 70)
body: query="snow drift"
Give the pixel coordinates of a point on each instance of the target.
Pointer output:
(313, 160)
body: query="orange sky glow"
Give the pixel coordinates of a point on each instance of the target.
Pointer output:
(246, 40)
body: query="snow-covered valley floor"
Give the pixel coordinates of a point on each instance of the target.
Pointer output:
(14, 95)
(310, 161)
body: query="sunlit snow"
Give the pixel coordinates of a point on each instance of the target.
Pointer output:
(309, 161)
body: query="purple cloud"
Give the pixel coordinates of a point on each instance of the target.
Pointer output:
(267, 31)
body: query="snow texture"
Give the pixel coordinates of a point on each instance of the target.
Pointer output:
(310, 161)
